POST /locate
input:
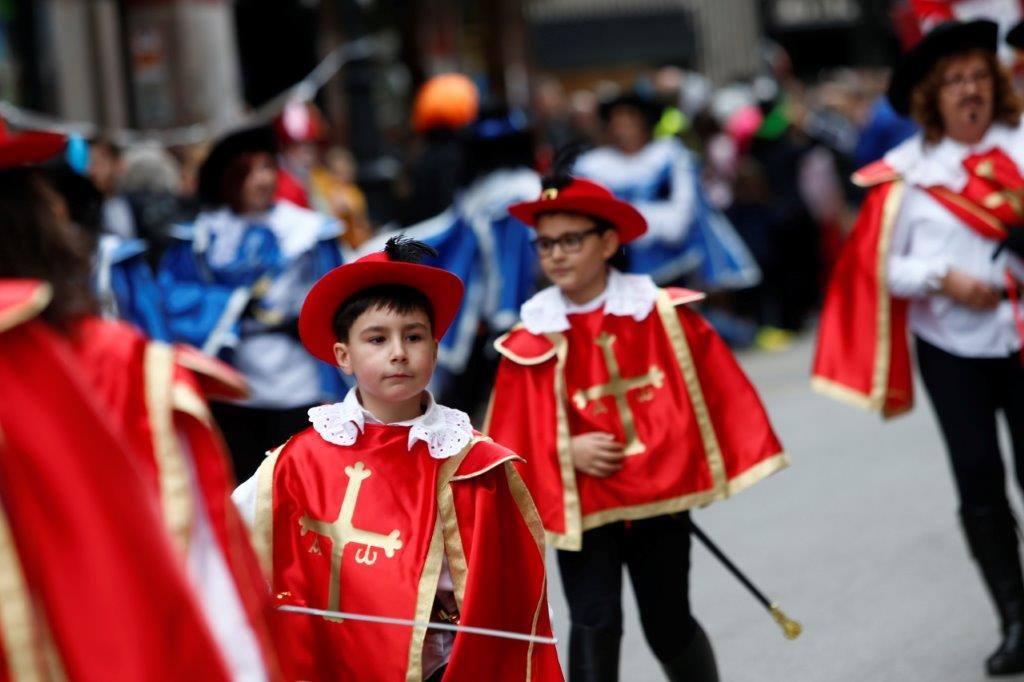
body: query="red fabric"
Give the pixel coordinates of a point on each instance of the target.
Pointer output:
(290, 189)
(112, 358)
(442, 288)
(674, 463)
(88, 534)
(505, 567)
(29, 147)
(849, 332)
(991, 201)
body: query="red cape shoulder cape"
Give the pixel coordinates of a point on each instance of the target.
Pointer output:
(695, 423)
(363, 528)
(92, 587)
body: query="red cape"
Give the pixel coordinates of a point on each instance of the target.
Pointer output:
(472, 508)
(862, 356)
(701, 433)
(91, 586)
(156, 405)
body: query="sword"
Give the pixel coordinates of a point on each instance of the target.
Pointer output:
(469, 629)
(791, 629)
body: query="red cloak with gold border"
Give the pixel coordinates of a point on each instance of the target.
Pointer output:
(363, 529)
(696, 424)
(91, 587)
(863, 357)
(156, 403)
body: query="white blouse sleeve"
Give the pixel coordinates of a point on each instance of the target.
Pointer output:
(911, 276)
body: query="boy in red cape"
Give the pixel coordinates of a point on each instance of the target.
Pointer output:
(630, 410)
(392, 505)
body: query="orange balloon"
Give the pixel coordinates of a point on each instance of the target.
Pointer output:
(449, 100)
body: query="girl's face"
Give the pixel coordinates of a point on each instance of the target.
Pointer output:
(258, 189)
(574, 253)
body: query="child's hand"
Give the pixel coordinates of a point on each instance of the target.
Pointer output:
(596, 454)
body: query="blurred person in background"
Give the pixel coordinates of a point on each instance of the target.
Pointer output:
(443, 106)
(301, 129)
(334, 192)
(160, 453)
(233, 283)
(937, 249)
(104, 169)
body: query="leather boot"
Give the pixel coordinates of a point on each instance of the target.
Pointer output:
(696, 663)
(992, 537)
(594, 654)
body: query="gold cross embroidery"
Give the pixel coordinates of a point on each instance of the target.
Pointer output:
(341, 532)
(618, 387)
(1012, 197)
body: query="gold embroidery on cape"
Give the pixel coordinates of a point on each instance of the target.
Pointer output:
(341, 532)
(618, 387)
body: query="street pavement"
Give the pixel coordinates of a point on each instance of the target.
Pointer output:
(858, 540)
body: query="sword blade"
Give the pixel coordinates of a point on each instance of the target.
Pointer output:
(386, 620)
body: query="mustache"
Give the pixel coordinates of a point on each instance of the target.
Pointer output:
(971, 99)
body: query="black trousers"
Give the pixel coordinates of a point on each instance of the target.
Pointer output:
(656, 551)
(251, 431)
(966, 394)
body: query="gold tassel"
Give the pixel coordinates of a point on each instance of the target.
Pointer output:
(790, 628)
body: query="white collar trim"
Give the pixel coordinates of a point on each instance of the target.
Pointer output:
(445, 431)
(928, 165)
(626, 295)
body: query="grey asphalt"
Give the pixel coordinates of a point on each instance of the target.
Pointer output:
(858, 540)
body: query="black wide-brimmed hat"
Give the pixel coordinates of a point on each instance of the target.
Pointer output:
(228, 148)
(1015, 38)
(651, 109)
(945, 39)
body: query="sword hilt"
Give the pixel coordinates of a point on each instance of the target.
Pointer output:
(790, 628)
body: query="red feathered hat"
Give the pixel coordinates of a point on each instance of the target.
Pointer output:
(394, 265)
(586, 198)
(23, 149)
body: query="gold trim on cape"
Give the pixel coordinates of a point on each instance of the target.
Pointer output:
(27, 309)
(172, 469)
(883, 323)
(528, 510)
(681, 348)
(187, 401)
(19, 636)
(499, 345)
(572, 538)
(263, 521)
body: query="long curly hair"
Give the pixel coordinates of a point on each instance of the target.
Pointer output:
(924, 101)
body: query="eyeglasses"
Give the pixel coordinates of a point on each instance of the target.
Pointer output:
(571, 242)
(958, 81)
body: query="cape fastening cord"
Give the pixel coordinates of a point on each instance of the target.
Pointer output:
(790, 628)
(486, 632)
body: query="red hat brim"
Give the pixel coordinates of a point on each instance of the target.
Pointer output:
(442, 288)
(628, 222)
(23, 149)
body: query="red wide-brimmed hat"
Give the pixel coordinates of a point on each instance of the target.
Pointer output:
(29, 147)
(585, 197)
(442, 288)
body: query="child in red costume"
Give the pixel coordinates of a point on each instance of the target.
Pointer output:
(392, 505)
(630, 411)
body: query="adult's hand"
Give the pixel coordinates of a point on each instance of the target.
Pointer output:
(968, 291)
(596, 453)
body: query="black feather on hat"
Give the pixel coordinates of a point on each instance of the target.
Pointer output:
(945, 39)
(226, 150)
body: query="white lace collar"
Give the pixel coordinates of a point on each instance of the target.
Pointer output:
(626, 295)
(445, 431)
(928, 165)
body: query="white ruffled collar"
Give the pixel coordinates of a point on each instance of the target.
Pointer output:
(626, 295)
(445, 431)
(927, 165)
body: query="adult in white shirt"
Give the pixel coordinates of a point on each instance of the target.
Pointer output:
(957, 282)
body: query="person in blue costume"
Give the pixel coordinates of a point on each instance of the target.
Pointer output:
(488, 249)
(233, 282)
(122, 278)
(687, 237)
(884, 130)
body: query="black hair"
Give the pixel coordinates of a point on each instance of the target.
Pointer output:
(397, 298)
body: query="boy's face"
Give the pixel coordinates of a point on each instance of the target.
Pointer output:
(392, 355)
(574, 266)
